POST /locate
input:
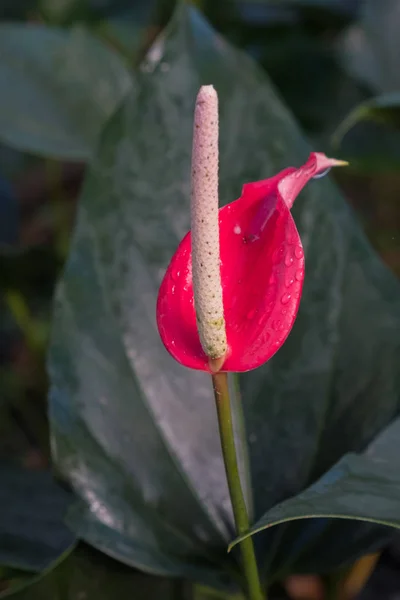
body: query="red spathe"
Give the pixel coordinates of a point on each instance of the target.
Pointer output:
(262, 272)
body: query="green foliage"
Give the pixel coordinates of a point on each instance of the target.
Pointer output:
(65, 12)
(360, 486)
(32, 508)
(370, 49)
(383, 109)
(83, 574)
(379, 147)
(58, 89)
(294, 41)
(135, 433)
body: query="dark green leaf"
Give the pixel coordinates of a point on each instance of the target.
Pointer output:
(32, 511)
(383, 109)
(370, 50)
(58, 88)
(133, 30)
(66, 12)
(135, 433)
(360, 486)
(83, 574)
(271, 33)
(370, 134)
(127, 32)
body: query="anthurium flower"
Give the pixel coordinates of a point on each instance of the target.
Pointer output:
(261, 264)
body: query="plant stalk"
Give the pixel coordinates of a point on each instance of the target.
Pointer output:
(223, 404)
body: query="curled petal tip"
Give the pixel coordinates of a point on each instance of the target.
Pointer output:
(339, 163)
(320, 162)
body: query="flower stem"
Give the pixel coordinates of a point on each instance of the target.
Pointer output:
(222, 400)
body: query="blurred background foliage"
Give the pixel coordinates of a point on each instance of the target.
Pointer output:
(335, 63)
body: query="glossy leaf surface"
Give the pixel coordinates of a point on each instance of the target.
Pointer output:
(58, 89)
(134, 432)
(360, 486)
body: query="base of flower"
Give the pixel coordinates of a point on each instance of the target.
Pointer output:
(215, 364)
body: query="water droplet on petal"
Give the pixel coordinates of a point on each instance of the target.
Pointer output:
(288, 258)
(285, 298)
(175, 275)
(299, 252)
(278, 255)
(276, 325)
(322, 174)
(299, 274)
(237, 229)
(289, 281)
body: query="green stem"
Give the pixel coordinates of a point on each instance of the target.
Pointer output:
(222, 400)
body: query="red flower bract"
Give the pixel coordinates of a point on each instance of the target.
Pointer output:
(262, 272)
